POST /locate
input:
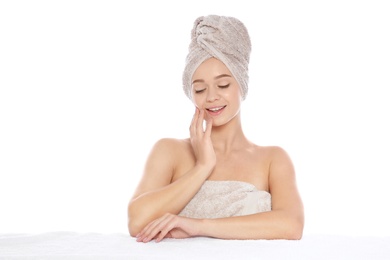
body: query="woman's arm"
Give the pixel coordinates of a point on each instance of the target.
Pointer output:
(155, 194)
(266, 225)
(284, 221)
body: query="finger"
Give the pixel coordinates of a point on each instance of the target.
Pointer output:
(149, 233)
(165, 231)
(169, 234)
(161, 228)
(199, 123)
(193, 122)
(146, 231)
(141, 235)
(209, 126)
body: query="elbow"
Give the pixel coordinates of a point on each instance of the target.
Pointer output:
(133, 224)
(134, 229)
(137, 218)
(288, 227)
(294, 230)
(295, 233)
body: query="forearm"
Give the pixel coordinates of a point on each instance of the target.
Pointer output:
(267, 225)
(171, 198)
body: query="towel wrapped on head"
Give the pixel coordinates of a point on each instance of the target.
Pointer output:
(222, 37)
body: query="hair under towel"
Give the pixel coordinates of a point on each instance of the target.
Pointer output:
(222, 37)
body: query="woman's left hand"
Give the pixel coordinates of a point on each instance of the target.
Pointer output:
(169, 226)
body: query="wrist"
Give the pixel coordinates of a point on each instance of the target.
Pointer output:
(206, 168)
(203, 228)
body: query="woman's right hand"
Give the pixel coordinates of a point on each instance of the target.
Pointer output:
(201, 140)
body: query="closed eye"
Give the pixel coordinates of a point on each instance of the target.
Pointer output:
(224, 86)
(199, 91)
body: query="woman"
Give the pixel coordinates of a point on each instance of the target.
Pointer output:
(216, 183)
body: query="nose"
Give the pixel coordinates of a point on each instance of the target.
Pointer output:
(212, 94)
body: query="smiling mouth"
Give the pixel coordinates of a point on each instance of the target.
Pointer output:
(215, 109)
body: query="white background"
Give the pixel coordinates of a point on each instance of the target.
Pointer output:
(87, 87)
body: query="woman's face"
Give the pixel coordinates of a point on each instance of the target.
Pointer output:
(215, 90)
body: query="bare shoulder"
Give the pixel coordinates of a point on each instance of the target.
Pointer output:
(281, 169)
(171, 145)
(279, 153)
(172, 150)
(277, 160)
(160, 165)
(272, 153)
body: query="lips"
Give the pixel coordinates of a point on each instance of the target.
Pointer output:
(214, 111)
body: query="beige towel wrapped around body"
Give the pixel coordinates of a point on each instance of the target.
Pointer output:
(219, 199)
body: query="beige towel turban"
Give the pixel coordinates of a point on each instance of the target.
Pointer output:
(221, 37)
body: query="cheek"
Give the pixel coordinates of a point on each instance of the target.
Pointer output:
(236, 95)
(197, 101)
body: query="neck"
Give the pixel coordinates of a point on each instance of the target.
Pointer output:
(228, 137)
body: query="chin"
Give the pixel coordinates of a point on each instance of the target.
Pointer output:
(219, 122)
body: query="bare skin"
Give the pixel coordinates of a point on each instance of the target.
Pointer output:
(176, 169)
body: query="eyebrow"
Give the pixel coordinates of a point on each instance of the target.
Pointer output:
(217, 77)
